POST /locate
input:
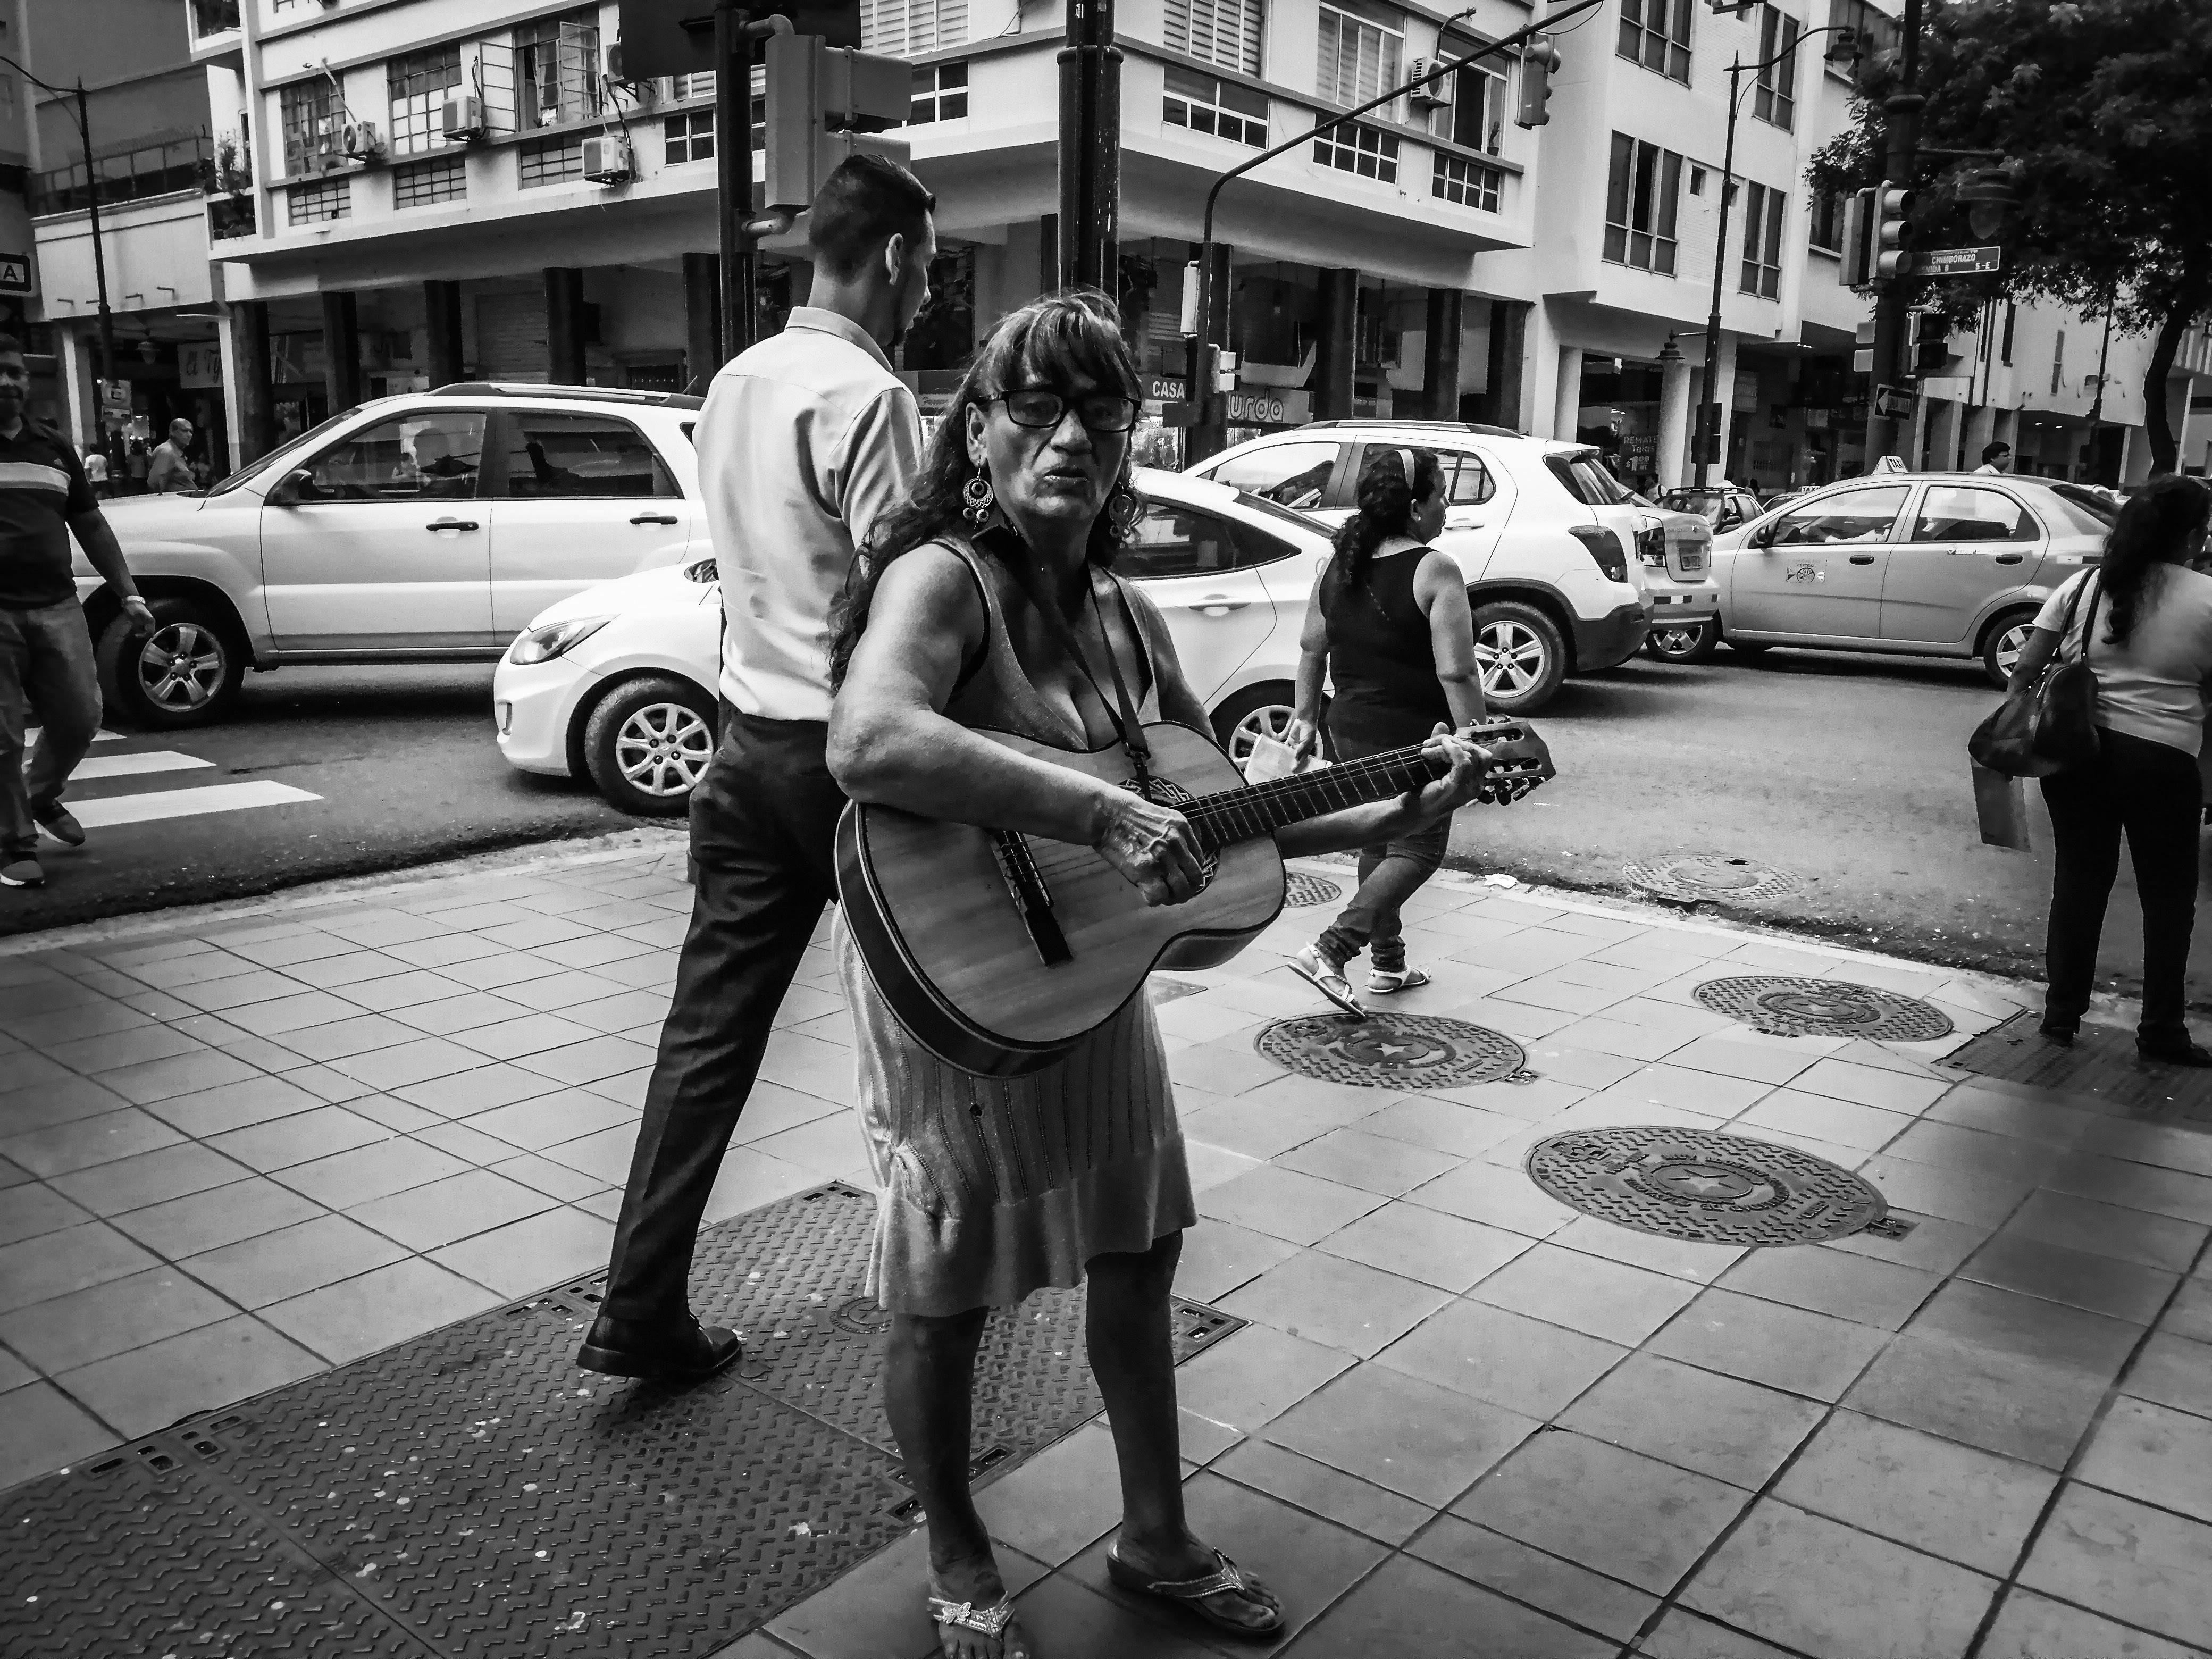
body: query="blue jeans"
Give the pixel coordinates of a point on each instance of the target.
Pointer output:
(1390, 873)
(46, 669)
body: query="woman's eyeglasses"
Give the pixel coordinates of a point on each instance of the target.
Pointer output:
(1099, 412)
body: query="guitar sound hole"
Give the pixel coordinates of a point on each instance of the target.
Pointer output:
(1166, 791)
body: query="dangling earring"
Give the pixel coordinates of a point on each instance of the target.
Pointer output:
(1124, 507)
(977, 493)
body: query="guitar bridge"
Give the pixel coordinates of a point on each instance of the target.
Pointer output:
(1031, 897)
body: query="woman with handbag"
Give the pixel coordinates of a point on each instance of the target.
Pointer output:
(2141, 622)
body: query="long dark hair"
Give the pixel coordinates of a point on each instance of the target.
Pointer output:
(1386, 497)
(1075, 334)
(2153, 530)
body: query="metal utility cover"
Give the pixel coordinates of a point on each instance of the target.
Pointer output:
(1301, 890)
(1783, 1006)
(1700, 1185)
(1391, 1051)
(1712, 879)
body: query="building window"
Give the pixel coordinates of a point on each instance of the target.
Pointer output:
(311, 205)
(1358, 60)
(1764, 211)
(1776, 97)
(229, 217)
(1657, 34)
(312, 111)
(1640, 197)
(551, 160)
(1472, 113)
(2004, 350)
(1826, 232)
(419, 184)
(417, 83)
(556, 61)
(1352, 147)
(1468, 183)
(1224, 32)
(940, 94)
(214, 17)
(690, 138)
(908, 29)
(1206, 104)
(127, 175)
(682, 88)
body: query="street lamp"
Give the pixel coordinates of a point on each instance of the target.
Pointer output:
(1988, 197)
(1843, 49)
(92, 212)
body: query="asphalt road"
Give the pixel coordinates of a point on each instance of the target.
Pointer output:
(1848, 772)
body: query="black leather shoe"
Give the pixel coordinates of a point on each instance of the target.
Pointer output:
(2179, 1053)
(678, 1354)
(2060, 1032)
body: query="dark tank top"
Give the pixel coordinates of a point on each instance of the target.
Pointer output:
(1380, 661)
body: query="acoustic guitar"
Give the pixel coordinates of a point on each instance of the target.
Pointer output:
(999, 951)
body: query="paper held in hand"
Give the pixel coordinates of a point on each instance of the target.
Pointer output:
(1271, 758)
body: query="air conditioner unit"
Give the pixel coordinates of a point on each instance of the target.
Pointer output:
(1432, 94)
(606, 160)
(363, 142)
(463, 121)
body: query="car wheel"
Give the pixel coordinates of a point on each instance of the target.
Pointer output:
(2007, 638)
(185, 670)
(1260, 711)
(1683, 641)
(647, 742)
(1519, 654)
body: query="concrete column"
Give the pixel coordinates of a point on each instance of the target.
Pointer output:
(1672, 460)
(1980, 432)
(702, 321)
(341, 349)
(2007, 431)
(441, 309)
(1540, 382)
(249, 401)
(1567, 393)
(1944, 424)
(1440, 354)
(1336, 344)
(564, 324)
(1724, 395)
(1508, 354)
(81, 416)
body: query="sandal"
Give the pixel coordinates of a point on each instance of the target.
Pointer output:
(1327, 978)
(991, 1621)
(1385, 981)
(1193, 1594)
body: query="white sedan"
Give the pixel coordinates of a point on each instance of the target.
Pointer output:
(618, 682)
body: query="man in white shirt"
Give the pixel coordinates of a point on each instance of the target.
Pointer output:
(805, 440)
(169, 470)
(1996, 458)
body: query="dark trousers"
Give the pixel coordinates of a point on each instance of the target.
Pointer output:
(1390, 872)
(46, 669)
(2152, 791)
(764, 823)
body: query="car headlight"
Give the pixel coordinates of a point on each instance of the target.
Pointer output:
(550, 640)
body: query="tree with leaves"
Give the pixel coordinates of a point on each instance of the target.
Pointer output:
(2102, 110)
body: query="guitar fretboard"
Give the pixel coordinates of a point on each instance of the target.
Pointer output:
(1261, 809)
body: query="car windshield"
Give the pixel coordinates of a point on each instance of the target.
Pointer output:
(1705, 503)
(1586, 479)
(1274, 510)
(253, 469)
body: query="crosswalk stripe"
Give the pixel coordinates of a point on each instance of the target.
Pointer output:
(187, 803)
(125, 766)
(31, 735)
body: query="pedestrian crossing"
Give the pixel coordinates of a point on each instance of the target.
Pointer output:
(96, 809)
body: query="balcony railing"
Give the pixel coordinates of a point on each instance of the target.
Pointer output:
(156, 170)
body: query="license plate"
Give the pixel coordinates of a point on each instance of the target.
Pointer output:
(1693, 561)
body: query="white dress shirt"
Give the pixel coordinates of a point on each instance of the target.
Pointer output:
(804, 440)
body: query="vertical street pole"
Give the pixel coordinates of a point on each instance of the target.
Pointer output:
(1893, 299)
(1091, 149)
(733, 172)
(99, 257)
(1709, 398)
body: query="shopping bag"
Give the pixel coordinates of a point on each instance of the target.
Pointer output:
(2001, 805)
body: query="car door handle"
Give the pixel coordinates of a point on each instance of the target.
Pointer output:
(1862, 558)
(654, 518)
(451, 523)
(1218, 605)
(2009, 558)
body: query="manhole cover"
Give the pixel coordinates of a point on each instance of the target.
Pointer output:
(1824, 1007)
(1691, 1183)
(1391, 1051)
(1302, 889)
(1702, 880)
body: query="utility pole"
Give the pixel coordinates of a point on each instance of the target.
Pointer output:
(1893, 295)
(98, 254)
(1091, 149)
(1707, 443)
(733, 172)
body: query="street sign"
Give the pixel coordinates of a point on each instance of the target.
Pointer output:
(15, 273)
(1951, 261)
(115, 395)
(676, 37)
(1894, 403)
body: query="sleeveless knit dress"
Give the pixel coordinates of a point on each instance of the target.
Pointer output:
(1381, 661)
(988, 1188)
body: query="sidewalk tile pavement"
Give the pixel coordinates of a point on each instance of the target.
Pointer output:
(236, 1149)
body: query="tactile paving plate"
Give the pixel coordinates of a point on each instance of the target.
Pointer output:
(1696, 1184)
(472, 1492)
(1301, 890)
(2102, 1062)
(1783, 1006)
(1392, 1050)
(1711, 881)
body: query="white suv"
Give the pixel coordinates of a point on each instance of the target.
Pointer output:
(430, 527)
(1549, 542)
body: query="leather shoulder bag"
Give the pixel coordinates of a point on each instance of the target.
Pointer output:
(2050, 727)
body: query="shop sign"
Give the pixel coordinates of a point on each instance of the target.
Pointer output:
(15, 273)
(199, 365)
(1271, 408)
(1164, 388)
(1747, 392)
(115, 396)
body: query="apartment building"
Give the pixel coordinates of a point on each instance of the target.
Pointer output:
(407, 192)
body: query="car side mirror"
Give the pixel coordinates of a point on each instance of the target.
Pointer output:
(290, 488)
(1764, 535)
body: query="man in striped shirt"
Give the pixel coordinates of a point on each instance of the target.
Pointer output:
(45, 649)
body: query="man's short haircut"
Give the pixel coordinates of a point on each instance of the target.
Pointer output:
(866, 203)
(9, 345)
(1991, 452)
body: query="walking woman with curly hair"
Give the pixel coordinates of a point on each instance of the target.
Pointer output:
(1389, 624)
(2142, 621)
(987, 600)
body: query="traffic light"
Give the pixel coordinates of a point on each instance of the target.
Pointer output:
(1893, 208)
(1538, 59)
(818, 97)
(1931, 342)
(1858, 234)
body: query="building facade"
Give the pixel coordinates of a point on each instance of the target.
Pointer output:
(398, 193)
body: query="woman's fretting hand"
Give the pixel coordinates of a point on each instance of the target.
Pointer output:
(1154, 847)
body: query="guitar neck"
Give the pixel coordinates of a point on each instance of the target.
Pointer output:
(1261, 809)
